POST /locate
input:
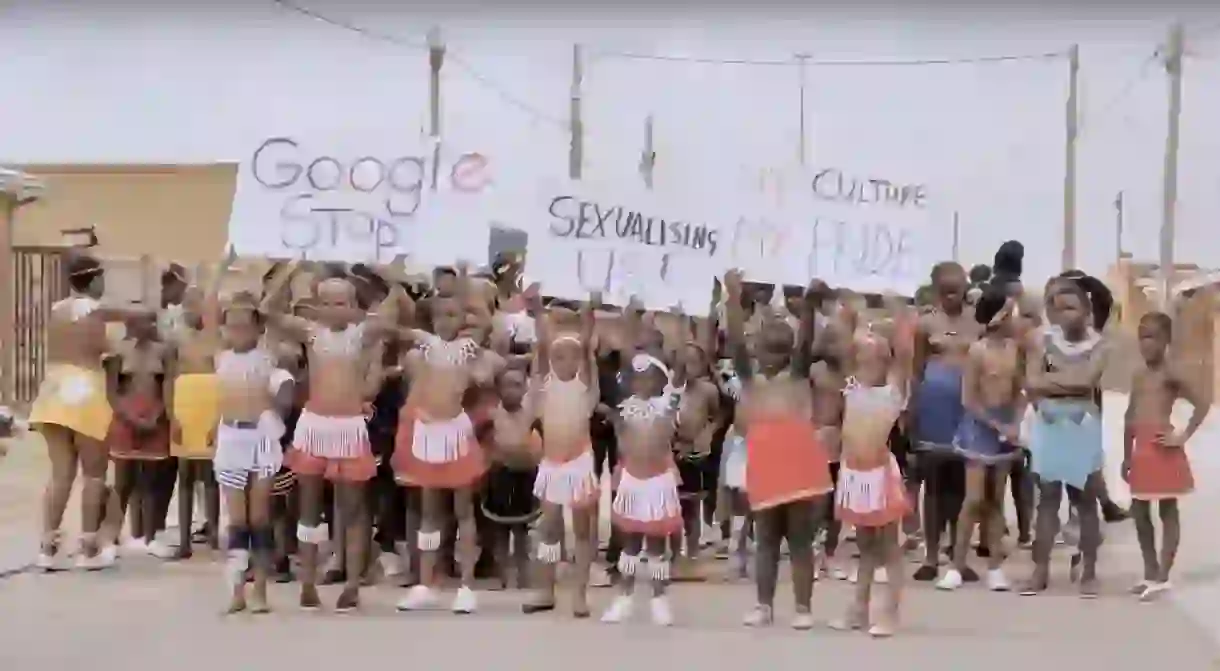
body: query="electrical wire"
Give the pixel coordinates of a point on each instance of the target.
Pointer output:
(799, 60)
(462, 64)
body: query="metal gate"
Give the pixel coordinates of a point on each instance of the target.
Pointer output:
(39, 280)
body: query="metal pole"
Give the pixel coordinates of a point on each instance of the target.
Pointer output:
(1118, 228)
(1169, 194)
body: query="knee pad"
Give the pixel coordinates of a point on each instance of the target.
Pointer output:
(628, 564)
(658, 569)
(239, 539)
(549, 553)
(262, 539)
(428, 541)
(313, 535)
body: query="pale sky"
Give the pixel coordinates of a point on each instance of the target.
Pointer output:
(189, 84)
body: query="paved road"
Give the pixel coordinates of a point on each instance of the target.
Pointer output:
(146, 615)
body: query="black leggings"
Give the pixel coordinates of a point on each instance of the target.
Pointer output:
(797, 522)
(944, 483)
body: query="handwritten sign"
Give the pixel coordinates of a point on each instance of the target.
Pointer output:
(864, 233)
(622, 242)
(343, 199)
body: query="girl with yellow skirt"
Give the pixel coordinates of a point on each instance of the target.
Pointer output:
(73, 414)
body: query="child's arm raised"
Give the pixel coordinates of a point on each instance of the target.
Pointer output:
(274, 309)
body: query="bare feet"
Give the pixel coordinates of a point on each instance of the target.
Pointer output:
(349, 600)
(238, 603)
(580, 604)
(309, 598)
(258, 602)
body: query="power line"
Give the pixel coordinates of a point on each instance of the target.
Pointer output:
(1006, 58)
(421, 45)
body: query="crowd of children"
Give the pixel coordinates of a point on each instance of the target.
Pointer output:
(465, 425)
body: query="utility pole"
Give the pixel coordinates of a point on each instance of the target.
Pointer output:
(957, 237)
(802, 61)
(1169, 193)
(436, 60)
(1069, 162)
(576, 146)
(1118, 228)
(648, 156)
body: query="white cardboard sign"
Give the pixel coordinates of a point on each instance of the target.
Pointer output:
(622, 242)
(363, 197)
(864, 233)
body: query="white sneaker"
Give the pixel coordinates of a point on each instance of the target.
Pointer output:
(881, 576)
(391, 564)
(619, 610)
(997, 581)
(951, 580)
(837, 571)
(105, 558)
(662, 614)
(49, 563)
(853, 576)
(161, 550)
(464, 602)
(135, 546)
(802, 621)
(419, 597)
(759, 616)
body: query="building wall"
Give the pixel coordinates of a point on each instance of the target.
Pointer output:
(173, 213)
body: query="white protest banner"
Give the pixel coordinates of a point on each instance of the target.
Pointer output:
(360, 197)
(850, 230)
(622, 242)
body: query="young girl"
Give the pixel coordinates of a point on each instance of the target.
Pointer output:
(73, 413)
(987, 439)
(698, 421)
(565, 391)
(436, 448)
(1154, 454)
(646, 508)
(195, 412)
(139, 437)
(787, 470)
(1062, 373)
(248, 451)
(509, 501)
(871, 495)
(942, 342)
(331, 439)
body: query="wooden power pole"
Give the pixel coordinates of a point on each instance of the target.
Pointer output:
(436, 60)
(957, 237)
(1169, 193)
(1069, 160)
(648, 156)
(576, 146)
(1118, 228)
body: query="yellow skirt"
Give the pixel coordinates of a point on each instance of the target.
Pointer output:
(197, 411)
(73, 398)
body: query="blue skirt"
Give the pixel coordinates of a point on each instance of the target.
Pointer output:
(976, 440)
(938, 406)
(1065, 441)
